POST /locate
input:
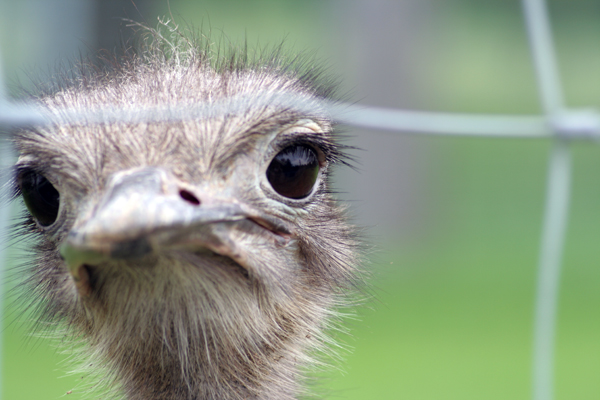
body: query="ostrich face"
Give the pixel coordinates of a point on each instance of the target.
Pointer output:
(200, 257)
(238, 210)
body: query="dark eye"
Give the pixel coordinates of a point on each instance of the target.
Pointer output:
(293, 172)
(41, 198)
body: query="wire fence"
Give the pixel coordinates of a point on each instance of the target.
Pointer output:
(557, 122)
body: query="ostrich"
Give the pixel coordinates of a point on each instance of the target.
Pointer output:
(198, 255)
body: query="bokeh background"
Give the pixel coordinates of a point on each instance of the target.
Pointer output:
(454, 222)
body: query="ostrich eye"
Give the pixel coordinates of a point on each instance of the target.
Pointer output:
(293, 172)
(41, 198)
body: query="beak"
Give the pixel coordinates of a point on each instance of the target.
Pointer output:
(146, 210)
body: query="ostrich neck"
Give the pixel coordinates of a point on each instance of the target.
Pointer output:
(241, 373)
(176, 353)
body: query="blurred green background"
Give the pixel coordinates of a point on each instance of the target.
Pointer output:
(455, 222)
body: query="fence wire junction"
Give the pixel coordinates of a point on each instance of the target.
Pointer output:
(558, 122)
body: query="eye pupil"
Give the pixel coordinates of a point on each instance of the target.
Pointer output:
(40, 197)
(293, 172)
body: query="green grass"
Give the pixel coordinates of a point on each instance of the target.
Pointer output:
(453, 316)
(32, 369)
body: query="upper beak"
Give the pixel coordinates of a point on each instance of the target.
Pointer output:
(146, 209)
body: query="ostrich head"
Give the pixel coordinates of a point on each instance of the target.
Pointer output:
(196, 250)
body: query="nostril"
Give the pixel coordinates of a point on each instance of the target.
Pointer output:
(189, 197)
